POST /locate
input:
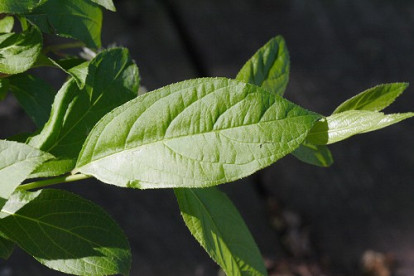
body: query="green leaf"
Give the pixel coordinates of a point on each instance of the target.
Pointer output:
(19, 51)
(6, 24)
(217, 225)
(343, 125)
(77, 19)
(108, 4)
(18, 6)
(34, 95)
(195, 133)
(268, 67)
(53, 167)
(66, 233)
(4, 88)
(17, 161)
(112, 80)
(374, 99)
(6, 248)
(317, 155)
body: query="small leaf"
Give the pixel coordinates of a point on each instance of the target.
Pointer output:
(111, 81)
(4, 88)
(374, 99)
(217, 225)
(107, 4)
(18, 6)
(17, 161)
(66, 233)
(34, 95)
(343, 125)
(6, 24)
(195, 133)
(6, 248)
(268, 67)
(77, 19)
(317, 155)
(19, 51)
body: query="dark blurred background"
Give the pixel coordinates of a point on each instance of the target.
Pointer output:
(354, 218)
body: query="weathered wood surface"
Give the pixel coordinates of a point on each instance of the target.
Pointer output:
(338, 48)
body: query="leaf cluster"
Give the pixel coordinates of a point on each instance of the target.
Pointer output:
(190, 136)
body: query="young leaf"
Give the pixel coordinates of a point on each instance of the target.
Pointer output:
(77, 19)
(343, 125)
(4, 88)
(18, 6)
(268, 67)
(6, 248)
(6, 24)
(112, 80)
(66, 233)
(108, 4)
(19, 51)
(217, 225)
(195, 133)
(374, 99)
(34, 95)
(317, 155)
(17, 161)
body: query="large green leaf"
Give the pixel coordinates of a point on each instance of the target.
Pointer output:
(18, 6)
(112, 80)
(343, 125)
(317, 155)
(17, 161)
(268, 67)
(108, 4)
(77, 19)
(66, 233)
(34, 95)
(19, 51)
(217, 225)
(6, 248)
(195, 133)
(374, 99)
(6, 24)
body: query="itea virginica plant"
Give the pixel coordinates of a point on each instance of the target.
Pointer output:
(190, 136)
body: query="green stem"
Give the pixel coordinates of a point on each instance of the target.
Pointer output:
(52, 181)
